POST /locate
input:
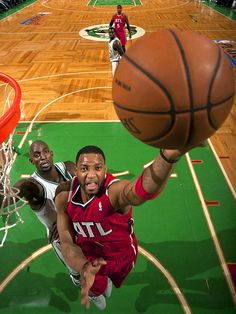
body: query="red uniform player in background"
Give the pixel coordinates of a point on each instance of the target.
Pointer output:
(120, 19)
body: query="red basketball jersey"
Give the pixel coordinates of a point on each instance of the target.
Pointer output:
(100, 230)
(119, 22)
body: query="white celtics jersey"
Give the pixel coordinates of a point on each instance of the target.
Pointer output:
(113, 54)
(47, 213)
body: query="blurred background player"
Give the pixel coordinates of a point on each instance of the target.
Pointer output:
(115, 49)
(120, 19)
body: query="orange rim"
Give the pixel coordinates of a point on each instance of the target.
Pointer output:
(9, 119)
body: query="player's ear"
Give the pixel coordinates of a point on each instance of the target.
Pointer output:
(30, 160)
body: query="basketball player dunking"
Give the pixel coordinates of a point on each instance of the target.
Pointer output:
(120, 19)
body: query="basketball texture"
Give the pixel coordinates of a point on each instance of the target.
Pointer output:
(173, 88)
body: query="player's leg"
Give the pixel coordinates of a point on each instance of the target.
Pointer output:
(114, 65)
(74, 275)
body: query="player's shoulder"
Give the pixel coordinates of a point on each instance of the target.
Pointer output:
(70, 166)
(63, 187)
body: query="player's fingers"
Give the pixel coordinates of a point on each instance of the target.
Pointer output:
(99, 262)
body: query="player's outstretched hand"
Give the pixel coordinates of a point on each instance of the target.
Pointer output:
(88, 273)
(175, 154)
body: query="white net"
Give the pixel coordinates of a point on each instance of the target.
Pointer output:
(10, 202)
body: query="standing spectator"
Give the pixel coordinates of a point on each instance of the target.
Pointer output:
(120, 19)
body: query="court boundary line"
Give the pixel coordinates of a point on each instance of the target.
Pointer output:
(146, 254)
(222, 168)
(46, 4)
(10, 15)
(213, 233)
(228, 18)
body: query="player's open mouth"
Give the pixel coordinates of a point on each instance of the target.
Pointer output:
(92, 185)
(45, 164)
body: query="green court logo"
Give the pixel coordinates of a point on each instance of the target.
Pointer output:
(100, 32)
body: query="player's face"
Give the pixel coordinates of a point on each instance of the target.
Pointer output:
(41, 156)
(111, 33)
(91, 172)
(119, 10)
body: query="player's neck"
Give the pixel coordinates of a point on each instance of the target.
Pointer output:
(51, 175)
(85, 197)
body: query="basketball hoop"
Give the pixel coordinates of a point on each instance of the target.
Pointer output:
(10, 202)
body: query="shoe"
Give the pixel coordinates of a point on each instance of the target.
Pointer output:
(76, 280)
(108, 290)
(99, 301)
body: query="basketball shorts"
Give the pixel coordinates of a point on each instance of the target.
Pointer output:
(122, 37)
(117, 269)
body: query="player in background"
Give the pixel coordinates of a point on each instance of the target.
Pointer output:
(119, 20)
(115, 49)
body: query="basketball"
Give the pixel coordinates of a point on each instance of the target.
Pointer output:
(173, 88)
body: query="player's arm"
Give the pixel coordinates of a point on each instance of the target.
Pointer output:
(70, 250)
(117, 46)
(71, 167)
(148, 185)
(31, 191)
(127, 25)
(112, 21)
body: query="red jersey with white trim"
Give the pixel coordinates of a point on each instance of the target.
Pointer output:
(100, 230)
(119, 25)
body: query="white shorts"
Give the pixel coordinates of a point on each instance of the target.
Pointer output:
(114, 65)
(57, 249)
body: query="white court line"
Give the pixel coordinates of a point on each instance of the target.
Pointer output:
(222, 169)
(95, 3)
(127, 9)
(212, 230)
(18, 12)
(218, 12)
(22, 265)
(46, 77)
(145, 253)
(170, 279)
(29, 128)
(71, 121)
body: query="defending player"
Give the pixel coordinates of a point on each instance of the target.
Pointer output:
(115, 49)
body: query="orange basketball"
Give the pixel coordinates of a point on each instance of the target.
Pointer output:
(173, 88)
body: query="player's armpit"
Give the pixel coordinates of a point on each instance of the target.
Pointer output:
(71, 167)
(63, 187)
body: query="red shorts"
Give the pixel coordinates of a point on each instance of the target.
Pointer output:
(117, 269)
(122, 37)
